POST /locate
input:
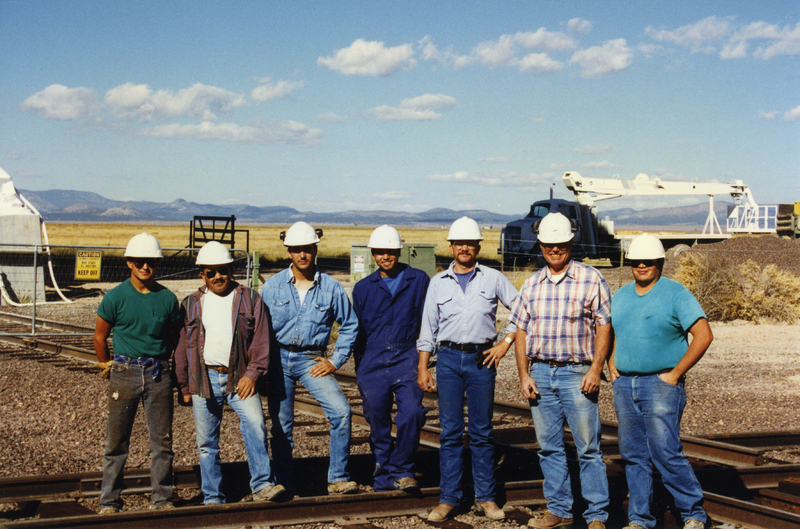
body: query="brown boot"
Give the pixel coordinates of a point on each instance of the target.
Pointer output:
(549, 520)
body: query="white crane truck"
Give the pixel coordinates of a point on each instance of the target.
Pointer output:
(596, 241)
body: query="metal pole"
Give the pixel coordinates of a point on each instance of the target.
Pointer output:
(256, 269)
(33, 315)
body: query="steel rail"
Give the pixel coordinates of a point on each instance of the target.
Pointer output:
(319, 509)
(748, 514)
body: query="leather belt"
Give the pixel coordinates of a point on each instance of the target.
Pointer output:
(305, 349)
(467, 347)
(220, 369)
(557, 363)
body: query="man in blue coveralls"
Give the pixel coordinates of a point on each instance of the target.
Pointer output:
(303, 304)
(389, 304)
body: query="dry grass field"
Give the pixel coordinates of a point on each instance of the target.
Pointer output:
(265, 240)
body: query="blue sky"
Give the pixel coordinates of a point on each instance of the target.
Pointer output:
(402, 106)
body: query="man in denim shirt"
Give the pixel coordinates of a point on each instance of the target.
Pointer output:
(460, 314)
(303, 304)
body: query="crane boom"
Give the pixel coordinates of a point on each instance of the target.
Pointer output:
(746, 217)
(590, 190)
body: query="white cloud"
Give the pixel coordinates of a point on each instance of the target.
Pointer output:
(499, 178)
(62, 103)
(268, 90)
(331, 117)
(594, 149)
(370, 58)
(539, 63)
(394, 194)
(793, 114)
(696, 36)
(769, 115)
(429, 101)
(387, 113)
(605, 164)
(139, 102)
(429, 50)
(420, 108)
(541, 39)
(613, 56)
(706, 34)
(275, 132)
(579, 26)
(495, 53)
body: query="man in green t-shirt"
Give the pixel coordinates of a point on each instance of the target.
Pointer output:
(145, 318)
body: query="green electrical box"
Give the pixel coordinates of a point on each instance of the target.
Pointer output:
(419, 255)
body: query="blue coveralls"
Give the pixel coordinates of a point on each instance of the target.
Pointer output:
(388, 368)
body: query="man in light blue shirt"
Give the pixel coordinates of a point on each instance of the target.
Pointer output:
(460, 313)
(303, 304)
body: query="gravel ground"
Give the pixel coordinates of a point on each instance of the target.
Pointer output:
(748, 381)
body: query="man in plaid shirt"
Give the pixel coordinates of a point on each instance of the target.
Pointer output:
(563, 320)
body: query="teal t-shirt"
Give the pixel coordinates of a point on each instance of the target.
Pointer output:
(140, 321)
(651, 330)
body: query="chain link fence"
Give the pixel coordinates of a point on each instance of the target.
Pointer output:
(36, 275)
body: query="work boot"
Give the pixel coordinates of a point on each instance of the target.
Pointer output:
(407, 483)
(439, 514)
(596, 524)
(693, 524)
(549, 520)
(343, 487)
(490, 510)
(159, 505)
(109, 509)
(269, 493)
(633, 526)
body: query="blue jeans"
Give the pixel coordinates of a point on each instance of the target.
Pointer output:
(561, 401)
(127, 385)
(295, 367)
(649, 413)
(457, 373)
(393, 459)
(207, 420)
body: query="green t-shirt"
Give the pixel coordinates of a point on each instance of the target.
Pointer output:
(140, 321)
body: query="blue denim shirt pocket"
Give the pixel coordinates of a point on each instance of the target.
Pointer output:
(321, 310)
(280, 311)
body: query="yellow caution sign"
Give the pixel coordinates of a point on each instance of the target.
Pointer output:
(87, 265)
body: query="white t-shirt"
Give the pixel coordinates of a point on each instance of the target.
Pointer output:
(218, 323)
(302, 294)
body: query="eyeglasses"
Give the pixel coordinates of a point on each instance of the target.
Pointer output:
(140, 262)
(463, 244)
(211, 274)
(646, 262)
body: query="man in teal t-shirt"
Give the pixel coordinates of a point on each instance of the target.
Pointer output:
(145, 317)
(652, 319)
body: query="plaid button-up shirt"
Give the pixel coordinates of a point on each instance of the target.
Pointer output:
(560, 318)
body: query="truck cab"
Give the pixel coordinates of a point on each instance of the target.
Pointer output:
(518, 242)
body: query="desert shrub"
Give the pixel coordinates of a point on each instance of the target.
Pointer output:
(745, 291)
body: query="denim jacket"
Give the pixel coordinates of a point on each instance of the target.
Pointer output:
(308, 326)
(251, 336)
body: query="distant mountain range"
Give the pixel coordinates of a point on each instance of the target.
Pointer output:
(84, 206)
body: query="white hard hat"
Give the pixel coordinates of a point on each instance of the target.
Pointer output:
(555, 228)
(213, 253)
(465, 229)
(143, 245)
(385, 237)
(645, 246)
(300, 234)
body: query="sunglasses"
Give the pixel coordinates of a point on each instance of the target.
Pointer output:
(646, 262)
(211, 274)
(139, 263)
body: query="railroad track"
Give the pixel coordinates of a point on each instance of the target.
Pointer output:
(741, 485)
